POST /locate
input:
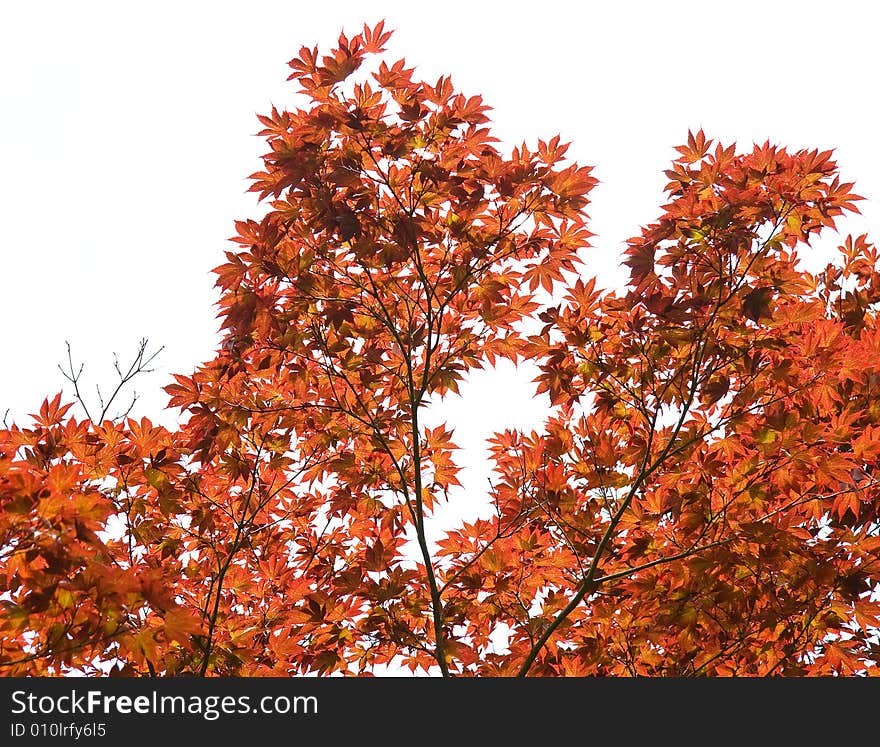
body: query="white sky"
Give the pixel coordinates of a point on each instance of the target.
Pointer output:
(126, 137)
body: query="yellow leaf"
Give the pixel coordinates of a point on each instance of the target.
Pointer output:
(155, 477)
(765, 436)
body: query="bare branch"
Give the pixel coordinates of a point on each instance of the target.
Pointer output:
(140, 364)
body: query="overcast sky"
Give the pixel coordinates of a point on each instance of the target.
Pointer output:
(127, 136)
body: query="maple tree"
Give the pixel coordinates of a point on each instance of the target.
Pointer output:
(702, 499)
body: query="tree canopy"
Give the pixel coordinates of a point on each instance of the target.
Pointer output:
(702, 498)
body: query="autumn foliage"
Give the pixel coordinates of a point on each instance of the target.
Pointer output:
(701, 500)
